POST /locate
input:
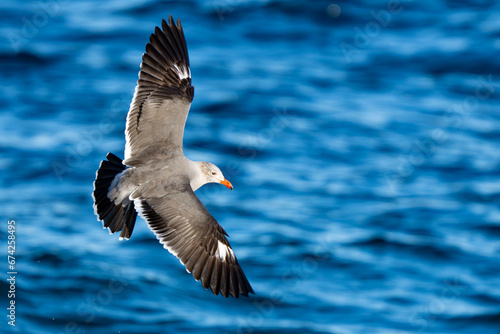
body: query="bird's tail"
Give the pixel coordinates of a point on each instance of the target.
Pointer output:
(114, 217)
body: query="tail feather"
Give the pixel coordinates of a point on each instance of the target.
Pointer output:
(114, 217)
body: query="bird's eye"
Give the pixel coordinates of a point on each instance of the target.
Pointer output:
(214, 173)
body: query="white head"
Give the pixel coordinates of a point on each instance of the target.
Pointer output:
(209, 173)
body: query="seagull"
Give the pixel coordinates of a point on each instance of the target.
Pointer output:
(156, 180)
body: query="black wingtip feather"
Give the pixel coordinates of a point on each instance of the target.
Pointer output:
(235, 289)
(167, 53)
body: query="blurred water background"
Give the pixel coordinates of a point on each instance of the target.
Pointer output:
(362, 139)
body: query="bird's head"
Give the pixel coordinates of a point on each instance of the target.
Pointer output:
(213, 174)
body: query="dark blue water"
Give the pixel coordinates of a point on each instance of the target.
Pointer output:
(362, 139)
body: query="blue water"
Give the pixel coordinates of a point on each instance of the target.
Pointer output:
(362, 140)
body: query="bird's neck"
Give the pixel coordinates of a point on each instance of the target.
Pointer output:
(195, 175)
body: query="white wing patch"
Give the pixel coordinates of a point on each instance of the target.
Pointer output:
(223, 251)
(183, 73)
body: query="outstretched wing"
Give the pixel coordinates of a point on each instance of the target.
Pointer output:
(158, 112)
(187, 230)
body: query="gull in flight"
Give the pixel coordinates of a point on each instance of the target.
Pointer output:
(156, 180)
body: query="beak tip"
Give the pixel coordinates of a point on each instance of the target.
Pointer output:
(227, 184)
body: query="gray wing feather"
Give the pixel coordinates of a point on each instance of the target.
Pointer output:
(187, 230)
(162, 98)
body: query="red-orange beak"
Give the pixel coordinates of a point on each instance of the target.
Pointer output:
(227, 184)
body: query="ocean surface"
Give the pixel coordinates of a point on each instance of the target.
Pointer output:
(362, 139)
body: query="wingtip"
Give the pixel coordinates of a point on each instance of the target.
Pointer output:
(152, 37)
(164, 25)
(171, 23)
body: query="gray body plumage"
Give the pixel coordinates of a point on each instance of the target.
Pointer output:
(157, 181)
